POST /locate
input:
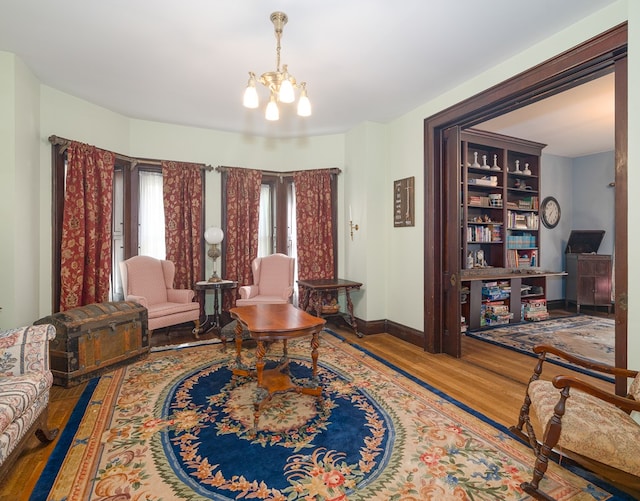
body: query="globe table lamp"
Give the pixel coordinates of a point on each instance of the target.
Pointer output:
(214, 236)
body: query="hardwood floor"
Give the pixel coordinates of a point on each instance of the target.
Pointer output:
(487, 378)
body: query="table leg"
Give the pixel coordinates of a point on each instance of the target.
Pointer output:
(240, 368)
(305, 299)
(260, 391)
(316, 302)
(352, 318)
(216, 309)
(315, 342)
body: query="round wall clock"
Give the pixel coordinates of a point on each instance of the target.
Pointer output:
(550, 212)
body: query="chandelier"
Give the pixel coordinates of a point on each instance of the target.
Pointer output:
(281, 84)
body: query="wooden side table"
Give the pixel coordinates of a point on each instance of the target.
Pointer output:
(276, 322)
(313, 290)
(211, 321)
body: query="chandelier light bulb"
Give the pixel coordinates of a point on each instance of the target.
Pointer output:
(286, 94)
(272, 113)
(304, 105)
(251, 94)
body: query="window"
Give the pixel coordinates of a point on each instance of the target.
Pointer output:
(277, 231)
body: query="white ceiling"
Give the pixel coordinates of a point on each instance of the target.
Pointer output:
(575, 123)
(187, 62)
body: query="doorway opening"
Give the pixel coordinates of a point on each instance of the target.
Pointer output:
(594, 58)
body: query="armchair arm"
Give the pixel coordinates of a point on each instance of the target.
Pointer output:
(287, 293)
(626, 404)
(180, 295)
(543, 349)
(138, 299)
(248, 291)
(25, 349)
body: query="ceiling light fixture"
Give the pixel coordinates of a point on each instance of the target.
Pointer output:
(281, 84)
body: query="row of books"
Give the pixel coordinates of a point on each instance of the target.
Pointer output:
(490, 233)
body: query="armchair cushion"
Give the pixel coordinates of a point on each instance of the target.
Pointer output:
(591, 427)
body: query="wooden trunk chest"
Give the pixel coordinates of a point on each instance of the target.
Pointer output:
(96, 338)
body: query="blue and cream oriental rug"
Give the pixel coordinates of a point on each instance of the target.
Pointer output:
(584, 335)
(179, 426)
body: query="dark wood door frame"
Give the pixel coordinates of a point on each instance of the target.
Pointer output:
(600, 55)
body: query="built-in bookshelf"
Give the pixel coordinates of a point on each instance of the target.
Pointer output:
(500, 199)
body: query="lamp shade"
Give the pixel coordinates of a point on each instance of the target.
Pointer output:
(213, 235)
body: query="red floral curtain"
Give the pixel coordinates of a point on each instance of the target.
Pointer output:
(241, 225)
(314, 224)
(182, 194)
(85, 254)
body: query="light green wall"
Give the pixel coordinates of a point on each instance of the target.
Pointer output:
(388, 260)
(8, 221)
(366, 254)
(19, 202)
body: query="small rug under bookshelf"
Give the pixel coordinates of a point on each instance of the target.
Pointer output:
(588, 336)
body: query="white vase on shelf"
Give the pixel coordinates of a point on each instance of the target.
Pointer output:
(495, 165)
(484, 163)
(526, 171)
(475, 163)
(517, 169)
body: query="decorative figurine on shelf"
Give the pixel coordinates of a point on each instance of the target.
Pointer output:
(470, 260)
(475, 163)
(486, 218)
(480, 261)
(484, 163)
(526, 171)
(495, 163)
(517, 169)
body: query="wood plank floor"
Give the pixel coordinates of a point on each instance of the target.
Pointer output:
(487, 378)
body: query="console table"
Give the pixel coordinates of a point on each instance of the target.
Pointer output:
(211, 321)
(313, 290)
(276, 322)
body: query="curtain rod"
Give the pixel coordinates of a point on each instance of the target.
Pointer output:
(223, 168)
(61, 141)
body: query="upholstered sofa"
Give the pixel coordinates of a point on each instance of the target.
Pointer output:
(25, 380)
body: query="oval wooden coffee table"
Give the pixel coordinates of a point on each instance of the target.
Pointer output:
(276, 322)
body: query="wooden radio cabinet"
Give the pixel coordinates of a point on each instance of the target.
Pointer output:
(588, 280)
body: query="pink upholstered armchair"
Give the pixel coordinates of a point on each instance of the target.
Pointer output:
(272, 281)
(149, 281)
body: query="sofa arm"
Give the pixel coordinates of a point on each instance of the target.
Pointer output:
(180, 295)
(248, 291)
(141, 300)
(25, 349)
(287, 293)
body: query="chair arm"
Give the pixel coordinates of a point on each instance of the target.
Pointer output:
(287, 293)
(180, 295)
(138, 299)
(626, 404)
(25, 349)
(248, 291)
(583, 362)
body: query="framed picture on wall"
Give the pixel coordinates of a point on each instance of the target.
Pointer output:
(404, 202)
